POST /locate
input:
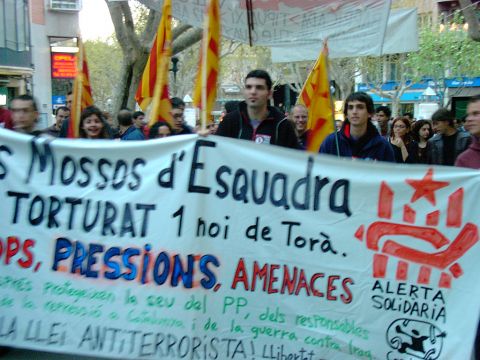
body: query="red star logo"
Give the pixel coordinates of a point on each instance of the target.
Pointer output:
(426, 187)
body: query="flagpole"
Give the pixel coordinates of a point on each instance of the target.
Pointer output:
(204, 70)
(78, 90)
(331, 99)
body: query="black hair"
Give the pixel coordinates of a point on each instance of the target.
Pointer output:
(260, 74)
(416, 129)
(177, 103)
(362, 97)
(444, 114)
(62, 108)
(136, 114)
(87, 112)
(153, 134)
(26, 97)
(408, 114)
(124, 117)
(385, 109)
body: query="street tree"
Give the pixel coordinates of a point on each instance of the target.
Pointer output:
(104, 69)
(135, 35)
(442, 55)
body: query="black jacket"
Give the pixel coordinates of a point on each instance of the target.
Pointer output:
(276, 129)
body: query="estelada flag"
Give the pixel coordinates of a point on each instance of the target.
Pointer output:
(316, 97)
(205, 92)
(153, 87)
(82, 92)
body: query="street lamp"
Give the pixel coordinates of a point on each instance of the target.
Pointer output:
(174, 70)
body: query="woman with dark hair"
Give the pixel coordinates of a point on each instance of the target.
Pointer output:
(160, 129)
(403, 146)
(421, 132)
(92, 124)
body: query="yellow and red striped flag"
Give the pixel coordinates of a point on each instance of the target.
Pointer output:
(153, 87)
(205, 92)
(82, 92)
(316, 97)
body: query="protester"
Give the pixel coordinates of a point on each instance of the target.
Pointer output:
(255, 120)
(212, 128)
(422, 131)
(471, 157)
(404, 148)
(358, 137)
(61, 114)
(128, 131)
(179, 125)
(382, 115)
(300, 119)
(64, 128)
(160, 130)
(24, 114)
(409, 117)
(338, 125)
(447, 143)
(92, 124)
(138, 119)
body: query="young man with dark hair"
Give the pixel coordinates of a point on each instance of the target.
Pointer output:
(24, 114)
(358, 137)
(471, 157)
(254, 119)
(61, 114)
(138, 117)
(447, 143)
(383, 114)
(127, 130)
(68, 104)
(179, 126)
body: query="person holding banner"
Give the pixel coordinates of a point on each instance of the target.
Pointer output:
(358, 137)
(255, 120)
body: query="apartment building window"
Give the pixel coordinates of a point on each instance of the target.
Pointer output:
(14, 25)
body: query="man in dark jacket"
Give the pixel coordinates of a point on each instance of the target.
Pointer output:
(358, 137)
(448, 142)
(255, 120)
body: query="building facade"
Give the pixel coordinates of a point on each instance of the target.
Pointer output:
(33, 31)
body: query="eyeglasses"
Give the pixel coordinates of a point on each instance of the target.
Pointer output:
(399, 127)
(178, 116)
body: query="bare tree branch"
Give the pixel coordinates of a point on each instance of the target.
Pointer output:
(179, 30)
(186, 40)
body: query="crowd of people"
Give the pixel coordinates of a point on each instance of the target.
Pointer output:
(366, 132)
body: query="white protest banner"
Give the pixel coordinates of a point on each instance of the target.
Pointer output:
(353, 28)
(213, 248)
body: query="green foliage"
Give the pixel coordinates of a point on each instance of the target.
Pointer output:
(444, 54)
(104, 62)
